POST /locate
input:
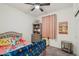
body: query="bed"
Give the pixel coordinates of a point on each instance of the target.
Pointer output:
(17, 46)
(10, 41)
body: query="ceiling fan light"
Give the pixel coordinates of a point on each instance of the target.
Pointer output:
(37, 6)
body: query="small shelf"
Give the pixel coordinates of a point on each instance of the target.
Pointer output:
(36, 32)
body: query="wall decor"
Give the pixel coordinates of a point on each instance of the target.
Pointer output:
(63, 27)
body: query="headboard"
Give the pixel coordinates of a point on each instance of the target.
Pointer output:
(10, 34)
(6, 41)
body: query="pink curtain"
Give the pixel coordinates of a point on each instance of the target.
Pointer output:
(49, 26)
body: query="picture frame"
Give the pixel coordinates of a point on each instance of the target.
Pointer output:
(63, 27)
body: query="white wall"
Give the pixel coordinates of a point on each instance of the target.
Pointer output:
(65, 14)
(75, 9)
(12, 19)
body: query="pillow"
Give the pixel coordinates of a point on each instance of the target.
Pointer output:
(5, 41)
(5, 45)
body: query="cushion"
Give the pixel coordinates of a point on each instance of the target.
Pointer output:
(5, 41)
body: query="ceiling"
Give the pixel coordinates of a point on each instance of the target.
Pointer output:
(47, 9)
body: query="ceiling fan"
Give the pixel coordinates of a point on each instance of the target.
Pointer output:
(38, 6)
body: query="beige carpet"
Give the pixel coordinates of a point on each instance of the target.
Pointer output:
(52, 51)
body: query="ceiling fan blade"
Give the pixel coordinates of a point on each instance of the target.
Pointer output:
(41, 9)
(32, 9)
(29, 3)
(44, 4)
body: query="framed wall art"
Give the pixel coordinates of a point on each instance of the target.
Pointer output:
(63, 27)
